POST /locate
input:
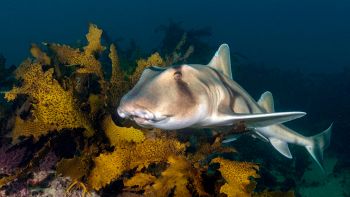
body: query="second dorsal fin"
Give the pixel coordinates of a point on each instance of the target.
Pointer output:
(266, 102)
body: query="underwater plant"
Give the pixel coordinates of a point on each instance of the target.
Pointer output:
(65, 107)
(180, 44)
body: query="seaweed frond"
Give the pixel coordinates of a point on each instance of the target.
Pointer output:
(39, 55)
(139, 181)
(118, 85)
(86, 60)
(75, 168)
(176, 178)
(94, 41)
(110, 166)
(154, 60)
(118, 135)
(54, 107)
(237, 176)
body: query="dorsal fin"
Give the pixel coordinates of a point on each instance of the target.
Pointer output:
(266, 102)
(221, 61)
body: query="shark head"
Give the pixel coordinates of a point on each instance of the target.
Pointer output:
(167, 98)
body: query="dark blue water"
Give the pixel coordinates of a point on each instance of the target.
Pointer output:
(311, 35)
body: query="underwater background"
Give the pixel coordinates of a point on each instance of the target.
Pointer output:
(64, 66)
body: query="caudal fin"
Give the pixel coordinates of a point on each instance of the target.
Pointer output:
(319, 143)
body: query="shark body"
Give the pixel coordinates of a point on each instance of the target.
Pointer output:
(206, 96)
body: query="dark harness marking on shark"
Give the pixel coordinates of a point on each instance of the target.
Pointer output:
(231, 92)
(187, 98)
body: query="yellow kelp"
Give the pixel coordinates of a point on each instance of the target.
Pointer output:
(154, 60)
(53, 107)
(86, 59)
(118, 85)
(117, 135)
(237, 176)
(176, 178)
(109, 166)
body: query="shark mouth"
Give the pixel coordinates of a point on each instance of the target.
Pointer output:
(143, 121)
(141, 117)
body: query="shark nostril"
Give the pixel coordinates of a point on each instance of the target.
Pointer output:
(121, 113)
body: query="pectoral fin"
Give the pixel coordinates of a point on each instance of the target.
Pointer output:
(254, 134)
(259, 120)
(281, 146)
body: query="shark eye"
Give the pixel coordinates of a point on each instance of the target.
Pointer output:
(177, 75)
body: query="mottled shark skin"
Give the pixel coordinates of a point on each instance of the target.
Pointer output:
(206, 96)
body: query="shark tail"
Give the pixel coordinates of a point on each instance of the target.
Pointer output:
(319, 143)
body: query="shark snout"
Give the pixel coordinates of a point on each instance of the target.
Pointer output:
(129, 110)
